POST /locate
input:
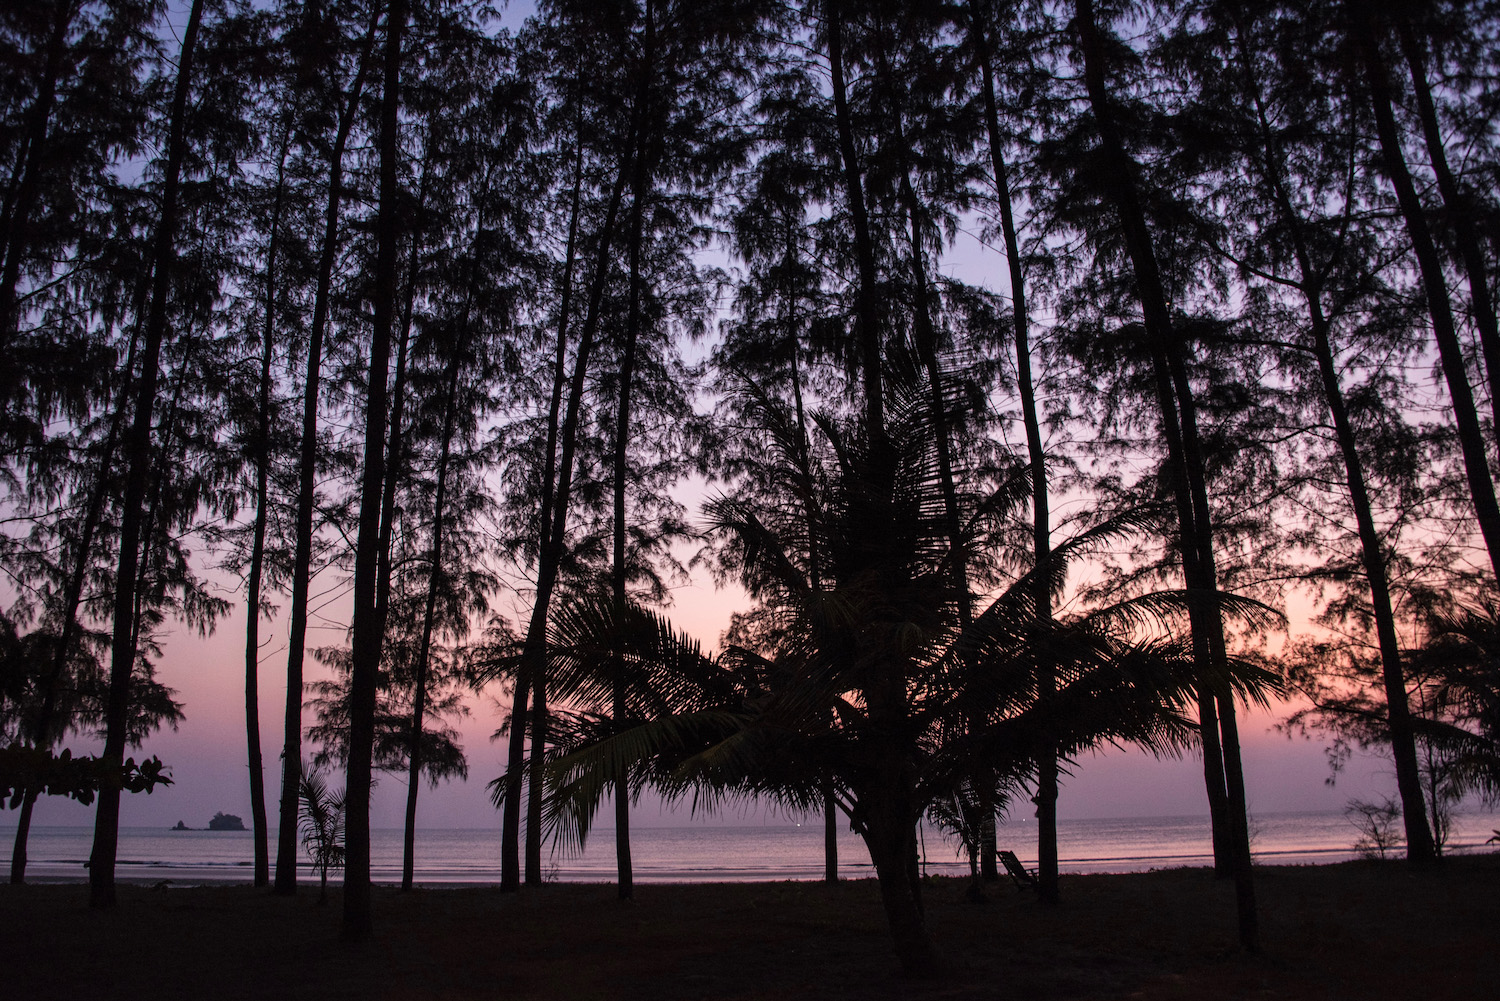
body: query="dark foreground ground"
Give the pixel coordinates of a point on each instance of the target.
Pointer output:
(1357, 931)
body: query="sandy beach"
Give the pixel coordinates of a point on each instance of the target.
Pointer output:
(1361, 930)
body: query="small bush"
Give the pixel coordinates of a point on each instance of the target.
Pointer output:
(1376, 822)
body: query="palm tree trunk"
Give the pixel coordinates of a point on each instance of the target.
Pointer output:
(830, 833)
(138, 458)
(889, 831)
(291, 755)
(887, 806)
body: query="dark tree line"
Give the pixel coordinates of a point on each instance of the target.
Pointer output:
(388, 295)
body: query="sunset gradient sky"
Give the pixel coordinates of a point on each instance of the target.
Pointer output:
(207, 753)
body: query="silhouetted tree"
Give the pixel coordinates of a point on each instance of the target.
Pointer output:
(1323, 255)
(1366, 37)
(367, 630)
(1185, 464)
(138, 459)
(344, 107)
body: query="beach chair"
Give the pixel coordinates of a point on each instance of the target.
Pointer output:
(1024, 878)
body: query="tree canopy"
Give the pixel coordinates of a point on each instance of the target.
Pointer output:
(461, 313)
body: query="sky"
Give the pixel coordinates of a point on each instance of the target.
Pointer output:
(207, 756)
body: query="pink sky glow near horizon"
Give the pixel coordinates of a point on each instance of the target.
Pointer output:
(207, 757)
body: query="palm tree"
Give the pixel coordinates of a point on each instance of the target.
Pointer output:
(873, 679)
(321, 823)
(1461, 662)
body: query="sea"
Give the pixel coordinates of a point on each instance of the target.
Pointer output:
(777, 850)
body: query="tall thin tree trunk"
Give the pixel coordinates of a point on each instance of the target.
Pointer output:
(1234, 776)
(1158, 322)
(549, 486)
(624, 870)
(291, 755)
(262, 458)
(867, 305)
(368, 637)
(536, 777)
(154, 534)
(1419, 841)
(1461, 213)
(1047, 768)
(1403, 742)
(531, 676)
(640, 187)
(533, 651)
(809, 508)
(435, 571)
(536, 780)
(395, 451)
(1180, 429)
(429, 612)
(138, 458)
(1434, 285)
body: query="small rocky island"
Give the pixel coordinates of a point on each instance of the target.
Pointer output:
(226, 822)
(221, 822)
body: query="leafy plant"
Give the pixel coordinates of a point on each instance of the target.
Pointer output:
(38, 769)
(322, 826)
(963, 816)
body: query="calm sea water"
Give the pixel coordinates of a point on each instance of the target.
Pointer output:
(736, 854)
